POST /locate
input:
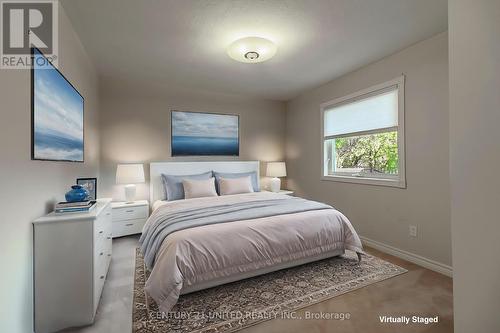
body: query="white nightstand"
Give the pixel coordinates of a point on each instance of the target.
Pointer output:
(129, 218)
(287, 192)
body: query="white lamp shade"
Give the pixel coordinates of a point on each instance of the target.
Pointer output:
(129, 174)
(276, 169)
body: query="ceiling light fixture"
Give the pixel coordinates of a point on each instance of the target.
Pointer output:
(252, 49)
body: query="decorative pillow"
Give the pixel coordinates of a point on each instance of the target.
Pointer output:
(253, 176)
(173, 184)
(199, 188)
(235, 185)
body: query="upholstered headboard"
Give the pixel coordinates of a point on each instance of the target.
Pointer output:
(156, 191)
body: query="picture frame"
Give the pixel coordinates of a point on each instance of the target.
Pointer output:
(55, 137)
(204, 134)
(90, 184)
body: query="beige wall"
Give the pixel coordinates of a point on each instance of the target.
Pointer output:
(381, 213)
(474, 157)
(135, 127)
(29, 188)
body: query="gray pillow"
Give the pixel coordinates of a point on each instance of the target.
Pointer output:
(173, 184)
(253, 177)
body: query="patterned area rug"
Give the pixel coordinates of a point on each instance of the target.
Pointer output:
(234, 306)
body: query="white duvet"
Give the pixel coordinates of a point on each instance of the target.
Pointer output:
(215, 252)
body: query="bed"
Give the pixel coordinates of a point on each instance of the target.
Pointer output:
(194, 244)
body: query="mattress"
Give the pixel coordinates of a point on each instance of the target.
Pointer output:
(203, 256)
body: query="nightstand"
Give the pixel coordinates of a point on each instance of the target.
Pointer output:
(287, 192)
(129, 218)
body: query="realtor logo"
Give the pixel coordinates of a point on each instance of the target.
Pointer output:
(27, 24)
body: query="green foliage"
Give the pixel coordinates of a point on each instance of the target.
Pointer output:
(373, 152)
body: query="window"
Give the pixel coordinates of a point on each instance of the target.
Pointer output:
(363, 136)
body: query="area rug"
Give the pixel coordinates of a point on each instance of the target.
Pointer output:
(234, 306)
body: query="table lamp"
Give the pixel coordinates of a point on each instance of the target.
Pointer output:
(275, 170)
(130, 174)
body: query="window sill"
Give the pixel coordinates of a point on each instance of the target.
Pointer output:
(367, 181)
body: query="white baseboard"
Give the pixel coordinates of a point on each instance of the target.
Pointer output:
(411, 257)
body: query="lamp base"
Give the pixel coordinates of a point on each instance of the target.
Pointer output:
(275, 184)
(130, 193)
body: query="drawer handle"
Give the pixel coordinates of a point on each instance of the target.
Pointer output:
(101, 253)
(129, 211)
(101, 231)
(109, 255)
(108, 237)
(101, 277)
(129, 224)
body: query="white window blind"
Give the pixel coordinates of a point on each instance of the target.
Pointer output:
(373, 112)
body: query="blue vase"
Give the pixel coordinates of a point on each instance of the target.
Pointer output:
(77, 193)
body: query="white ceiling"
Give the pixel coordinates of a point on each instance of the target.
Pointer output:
(182, 43)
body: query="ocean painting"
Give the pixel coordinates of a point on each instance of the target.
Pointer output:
(204, 134)
(57, 114)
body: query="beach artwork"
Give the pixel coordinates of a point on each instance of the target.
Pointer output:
(204, 134)
(57, 114)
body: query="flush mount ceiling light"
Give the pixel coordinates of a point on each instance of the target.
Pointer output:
(252, 49)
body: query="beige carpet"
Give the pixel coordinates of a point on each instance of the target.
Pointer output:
(237, 305)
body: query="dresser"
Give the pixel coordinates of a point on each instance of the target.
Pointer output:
(71, 255)
(129, 217)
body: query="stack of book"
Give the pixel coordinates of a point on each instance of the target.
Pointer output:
(74, 207)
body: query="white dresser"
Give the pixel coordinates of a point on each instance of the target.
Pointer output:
(72, 254)
(129, 217)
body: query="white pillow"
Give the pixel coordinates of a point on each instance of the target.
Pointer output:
(199, 188)
(235, 185)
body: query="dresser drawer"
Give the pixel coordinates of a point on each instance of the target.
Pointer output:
(128, 227)
(102, 231)
(104, 217)
(102, 254)
(130, 213)
(100, 270)
(102, 247)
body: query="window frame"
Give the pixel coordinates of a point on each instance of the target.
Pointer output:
(400, 181)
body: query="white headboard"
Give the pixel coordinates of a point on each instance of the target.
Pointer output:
(156, 191)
